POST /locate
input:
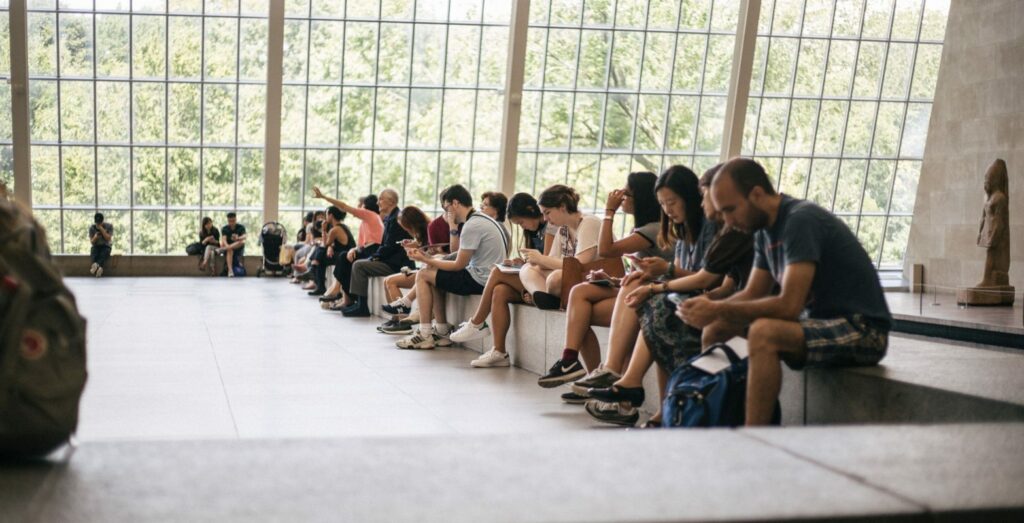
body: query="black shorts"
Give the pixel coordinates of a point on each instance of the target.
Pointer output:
(458, 282)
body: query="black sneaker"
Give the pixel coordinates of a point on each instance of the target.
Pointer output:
(574, 399)
(613, 413)
(400, 327)
(560, 374)
(389, 323)
(599, 379)
(317, 292)
(396, 309)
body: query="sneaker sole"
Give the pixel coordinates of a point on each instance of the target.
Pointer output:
(581, 389)
(406, 332)
(415, 347)
(443, 342)
(490, 365)
(579, 401)
(622, 421)
(551, 383)
(475, 335)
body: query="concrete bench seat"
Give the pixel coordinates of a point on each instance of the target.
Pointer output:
(919, 381)
(869, 473)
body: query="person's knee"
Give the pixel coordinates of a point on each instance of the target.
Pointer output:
(553, 282)
(763, 337)
(504, 294)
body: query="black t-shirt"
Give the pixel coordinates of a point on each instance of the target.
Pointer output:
(731, 253)
(204, 234)
(845, 281)
(227, 231)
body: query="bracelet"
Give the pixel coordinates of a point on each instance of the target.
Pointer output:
(671, 270)
(453, 233)
(609, 218)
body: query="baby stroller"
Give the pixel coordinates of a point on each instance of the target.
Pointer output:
(272, 238)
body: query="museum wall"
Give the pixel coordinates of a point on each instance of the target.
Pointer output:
(978, 116)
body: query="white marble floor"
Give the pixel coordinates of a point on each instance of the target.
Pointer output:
(197, 358)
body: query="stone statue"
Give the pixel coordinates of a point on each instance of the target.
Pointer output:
(994, 236)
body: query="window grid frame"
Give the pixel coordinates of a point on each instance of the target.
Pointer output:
(906, 99)
(130, 145)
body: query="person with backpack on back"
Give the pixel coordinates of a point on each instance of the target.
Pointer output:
(831, 310)
(482, 243)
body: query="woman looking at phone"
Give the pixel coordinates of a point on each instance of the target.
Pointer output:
(597, 304)
(502, 287)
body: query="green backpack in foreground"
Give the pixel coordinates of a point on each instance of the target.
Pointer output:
(42, 341)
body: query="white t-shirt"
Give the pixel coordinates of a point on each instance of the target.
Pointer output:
(570, 242)
(486, 238)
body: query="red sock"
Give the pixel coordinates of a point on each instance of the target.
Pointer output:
(569, 355)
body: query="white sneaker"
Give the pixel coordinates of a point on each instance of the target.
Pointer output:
(416, 341)
(99, 271)
(442, 340)
(491, 358)
(92, 270)
(231, 274)
(468, 332)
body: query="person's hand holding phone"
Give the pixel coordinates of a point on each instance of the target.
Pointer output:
(530, 255)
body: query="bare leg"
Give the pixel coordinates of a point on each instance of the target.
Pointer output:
(534, 278)
(425, 292)
(768, 343)
(580, 313)
(440, 314)
(625, 328)
(501, 314)
(638, 365)
(496, 278)
(553, 283)
(720, 332)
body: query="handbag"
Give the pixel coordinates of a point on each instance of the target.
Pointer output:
(194, 249)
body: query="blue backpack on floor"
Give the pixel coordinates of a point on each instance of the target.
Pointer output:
(696, 398)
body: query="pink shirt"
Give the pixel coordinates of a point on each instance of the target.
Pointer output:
(371, 230)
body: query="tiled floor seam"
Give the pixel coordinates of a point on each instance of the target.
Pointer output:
(925, 509)
(220, 376)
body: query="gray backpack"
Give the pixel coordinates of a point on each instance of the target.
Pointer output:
(42, 341)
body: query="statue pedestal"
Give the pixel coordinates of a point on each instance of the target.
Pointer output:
(995, 295)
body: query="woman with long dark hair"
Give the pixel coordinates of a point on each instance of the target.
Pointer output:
(209, 238)
(600, 303)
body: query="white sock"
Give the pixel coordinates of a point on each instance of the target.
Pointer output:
(405, 301)
(443, 328)
(425, 329)
(477, 326)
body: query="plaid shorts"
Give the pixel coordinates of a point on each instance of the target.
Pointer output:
(842, 342)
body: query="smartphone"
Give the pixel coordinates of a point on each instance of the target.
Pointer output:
(676, 298)
(602, 283)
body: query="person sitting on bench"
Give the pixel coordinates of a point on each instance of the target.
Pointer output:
(101, 235)
(600, 304)
(665, 340)
(831, 310)
(387, 259)
(232, 243)
(481, 244)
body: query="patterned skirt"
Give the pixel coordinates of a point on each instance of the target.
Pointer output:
(670, 341)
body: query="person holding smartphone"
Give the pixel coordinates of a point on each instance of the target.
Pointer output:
(665, 340)
(504, 288)
(600, 304)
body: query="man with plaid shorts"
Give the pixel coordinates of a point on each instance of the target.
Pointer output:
(830, 310)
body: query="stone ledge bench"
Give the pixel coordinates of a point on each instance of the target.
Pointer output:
(919, 381)
(869, 473)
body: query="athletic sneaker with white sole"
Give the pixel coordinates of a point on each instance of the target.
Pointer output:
(599, 379)
(92, 269)
(491, 358)
(560, 374)
(613, 413)
(399, 327)
(468, 332)
(99, 271)
(417, 341)
(442, 340)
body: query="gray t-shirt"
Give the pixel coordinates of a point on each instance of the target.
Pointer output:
(101, 240)
(650, 233)
(690, 256)
(487, 239)
(845, 281)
